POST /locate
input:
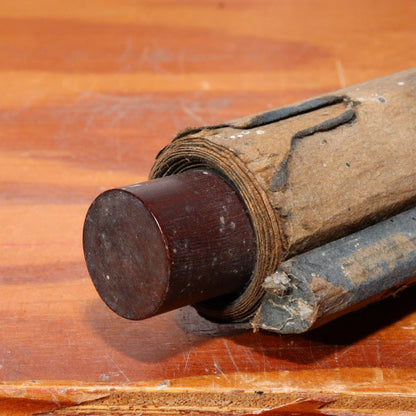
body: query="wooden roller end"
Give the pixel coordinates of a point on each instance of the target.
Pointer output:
(170, 242)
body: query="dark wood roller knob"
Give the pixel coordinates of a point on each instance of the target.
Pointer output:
(170, 242)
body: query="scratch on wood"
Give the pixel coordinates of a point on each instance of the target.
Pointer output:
(378, 356)
(118, 368)
(217, 367)
(187, 360)
(340, 73)
(231, 355)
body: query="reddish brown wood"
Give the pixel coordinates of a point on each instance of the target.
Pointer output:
(90, 92)
(167, 243)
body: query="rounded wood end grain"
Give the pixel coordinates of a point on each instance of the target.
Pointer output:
(123, 244)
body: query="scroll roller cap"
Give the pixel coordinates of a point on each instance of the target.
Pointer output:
(169, 242)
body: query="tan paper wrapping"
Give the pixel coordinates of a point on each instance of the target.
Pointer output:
(311, 172)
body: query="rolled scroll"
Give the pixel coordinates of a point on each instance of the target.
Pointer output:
(307, 175)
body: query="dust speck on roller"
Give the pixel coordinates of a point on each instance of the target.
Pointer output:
(167, 243)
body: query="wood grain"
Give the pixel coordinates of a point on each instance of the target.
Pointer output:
(90, 91)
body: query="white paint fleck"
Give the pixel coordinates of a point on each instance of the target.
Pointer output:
(107, 277)
(232, 137)
(400, 83)
(260, 131)
(205, 172)
(239, 135)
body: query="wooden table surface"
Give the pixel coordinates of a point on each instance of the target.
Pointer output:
(90, 91)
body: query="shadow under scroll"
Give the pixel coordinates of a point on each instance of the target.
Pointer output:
(213, 348)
